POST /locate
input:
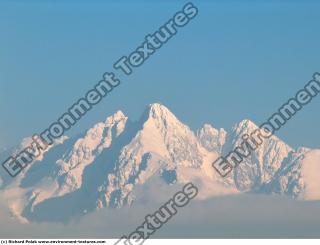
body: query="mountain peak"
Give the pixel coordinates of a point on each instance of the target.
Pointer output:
(207, 126)
(245, 125)
(116, 117)
(158, 112)
(158, 108)
(156, 105)
(211, 138)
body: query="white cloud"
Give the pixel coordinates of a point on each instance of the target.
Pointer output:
(233, 216)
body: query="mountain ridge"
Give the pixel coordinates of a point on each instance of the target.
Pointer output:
(102, 167)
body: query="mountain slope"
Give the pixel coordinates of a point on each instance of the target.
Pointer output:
(299, 176)
(260, 167)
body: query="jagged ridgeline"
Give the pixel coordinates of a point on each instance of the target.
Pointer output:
(103, 167)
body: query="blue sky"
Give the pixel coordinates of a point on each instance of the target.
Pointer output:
(235, 60)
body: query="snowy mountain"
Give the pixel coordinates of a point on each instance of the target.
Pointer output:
(104, 166)
(298, 177)
(260, 167)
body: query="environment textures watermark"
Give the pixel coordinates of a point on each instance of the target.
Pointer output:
(40, 143)
(155, 221)
(249, 143)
